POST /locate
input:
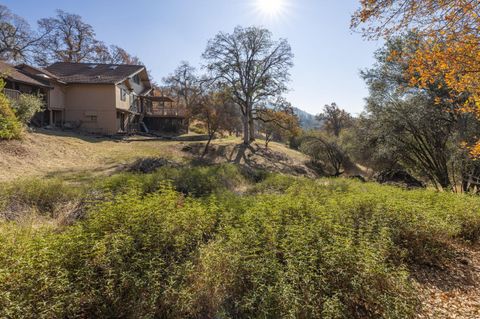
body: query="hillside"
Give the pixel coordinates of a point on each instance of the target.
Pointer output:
(48, 153)
(229, 227)
(307, 120)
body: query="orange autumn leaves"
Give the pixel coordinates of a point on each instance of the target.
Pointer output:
(450, 46)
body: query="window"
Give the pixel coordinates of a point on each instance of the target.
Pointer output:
(123, 94)
(92, 118)
(136, 79)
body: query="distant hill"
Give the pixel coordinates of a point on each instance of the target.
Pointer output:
(307, 120)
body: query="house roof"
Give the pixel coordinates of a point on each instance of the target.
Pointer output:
(11, 73)
(39, 71)
(93, 73)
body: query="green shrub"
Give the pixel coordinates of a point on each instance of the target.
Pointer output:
(288, 257)
(129, 259)
(10, 127)
(44, 196)
(276, 183)
(288, 248)
(27, 106)
(194, 181)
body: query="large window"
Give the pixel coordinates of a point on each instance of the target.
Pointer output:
(123, 94)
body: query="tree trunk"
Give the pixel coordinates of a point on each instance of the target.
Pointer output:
(246, 130)
(210, 137)
(251, 127)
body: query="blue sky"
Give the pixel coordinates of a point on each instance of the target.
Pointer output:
(328, 56)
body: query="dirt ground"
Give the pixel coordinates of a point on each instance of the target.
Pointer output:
(454, 290)
(47, 153)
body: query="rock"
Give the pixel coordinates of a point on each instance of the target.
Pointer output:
(398, 177)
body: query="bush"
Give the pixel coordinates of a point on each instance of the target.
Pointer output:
(46, 197)
(129, 259)
(288, 248)
(27, 106)
(193, 181)
(10, 127)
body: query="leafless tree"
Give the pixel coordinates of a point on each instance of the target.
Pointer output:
(69, 39)
(114, 55)
(252, 65)
(17, 39)
(185, 85)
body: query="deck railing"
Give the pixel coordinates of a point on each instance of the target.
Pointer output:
(12, 94)
(166, 112)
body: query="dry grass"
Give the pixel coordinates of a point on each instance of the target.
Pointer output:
(76, 157)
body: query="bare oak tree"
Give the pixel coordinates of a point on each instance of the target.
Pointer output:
(69, 39)
(184, 83)
(252, 65)
(17, 39)
(114, 55)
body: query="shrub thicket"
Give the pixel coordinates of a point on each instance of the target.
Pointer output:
(288, 248)
(193, 181)
(27, 106)
(10, 126)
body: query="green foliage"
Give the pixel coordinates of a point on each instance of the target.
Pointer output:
(44, 196)
(326, 151)
(288, 248)
(10, 127)
(195, 181)
(129, 259)
(417, 129)
(27, 106)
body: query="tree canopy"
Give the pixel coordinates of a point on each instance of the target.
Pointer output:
(254, 67)
(449, 41)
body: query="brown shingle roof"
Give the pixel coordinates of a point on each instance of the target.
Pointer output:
(93, 72)
(11, 73)
(39, 71)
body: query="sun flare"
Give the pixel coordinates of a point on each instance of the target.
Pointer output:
(271, 8)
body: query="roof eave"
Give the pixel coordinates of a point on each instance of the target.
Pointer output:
(28, 83)
(131, 75)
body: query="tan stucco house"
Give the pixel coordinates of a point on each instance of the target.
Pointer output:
(96, 98)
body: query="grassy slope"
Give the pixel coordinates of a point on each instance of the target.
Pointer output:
(72, 156)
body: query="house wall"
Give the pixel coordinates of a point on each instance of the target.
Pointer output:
(124, 105)
(91, 107)
(57, 96)
(132, 89)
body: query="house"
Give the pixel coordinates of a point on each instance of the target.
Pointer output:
(18, 82)
(100, 98)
